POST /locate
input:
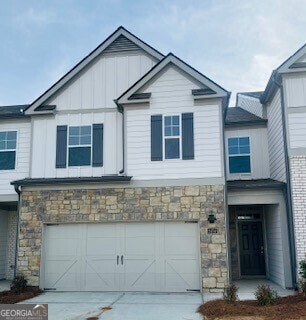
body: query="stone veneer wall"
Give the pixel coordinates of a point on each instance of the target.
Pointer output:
(127, 204)
(11, 244)
(298, 184)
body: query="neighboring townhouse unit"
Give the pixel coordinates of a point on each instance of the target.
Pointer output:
(15, 140)
(132, 174)
(285, 99)
(258, 221)
(126, 169)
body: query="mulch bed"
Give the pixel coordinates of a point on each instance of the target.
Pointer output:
(289, 308)
(10, 297)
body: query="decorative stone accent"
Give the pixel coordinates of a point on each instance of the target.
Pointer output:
(127, 204)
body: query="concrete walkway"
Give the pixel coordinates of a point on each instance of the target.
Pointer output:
(5, 285)
(247, 288)
(127, 306)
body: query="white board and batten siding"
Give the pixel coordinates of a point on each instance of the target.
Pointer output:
(275, 244)
(83, 101)
(276, 139)
(104, 80)
(171, 95)
(22, 165)
(295, 99)
(44, 145)
(258, 152)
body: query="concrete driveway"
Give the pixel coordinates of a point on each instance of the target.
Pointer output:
(124, 306)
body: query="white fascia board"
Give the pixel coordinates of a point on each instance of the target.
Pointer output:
(220, 92)
(285, 66)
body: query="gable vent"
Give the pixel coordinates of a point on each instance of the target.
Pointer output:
(121, 44)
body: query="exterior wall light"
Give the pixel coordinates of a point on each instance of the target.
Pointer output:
(211, 218)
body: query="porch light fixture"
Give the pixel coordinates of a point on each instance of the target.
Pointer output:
(211, 218)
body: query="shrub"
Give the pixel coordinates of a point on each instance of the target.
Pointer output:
(230, 293)
(265, 295)
(302, 286)
(303, 269)
(19, 284)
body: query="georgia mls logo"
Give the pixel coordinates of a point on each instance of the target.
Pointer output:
(23, 311)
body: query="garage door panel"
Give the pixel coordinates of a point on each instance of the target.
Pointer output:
(140, 275)
(180, 229)
(181, 274)
(101, 246)
(140, 246)
(180, 246)
(151, 257)
(62, 274)
(100, 274)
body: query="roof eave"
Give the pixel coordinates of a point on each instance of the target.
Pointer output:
(79, 180)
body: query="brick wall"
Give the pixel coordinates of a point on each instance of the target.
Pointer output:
(298, 181)
(127, 204)
(11, 245)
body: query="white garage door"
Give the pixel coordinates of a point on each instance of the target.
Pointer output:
(160, 257)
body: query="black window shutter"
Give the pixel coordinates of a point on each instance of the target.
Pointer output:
(187, 136)
(156, 138)
(97, 145)
(61, 146)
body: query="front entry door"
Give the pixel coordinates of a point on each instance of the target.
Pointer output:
(252, 259)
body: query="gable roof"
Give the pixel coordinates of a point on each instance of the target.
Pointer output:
(210, 88)
(120, 40)
(295, 63)
(237, 116)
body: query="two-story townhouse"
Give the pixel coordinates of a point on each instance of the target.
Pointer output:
(125, 188)
(258, 221)
(15, 130)
(285, 100)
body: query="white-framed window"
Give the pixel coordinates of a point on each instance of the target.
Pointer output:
(172, 137)
(239, 154)
(8, 143)
(79, 146)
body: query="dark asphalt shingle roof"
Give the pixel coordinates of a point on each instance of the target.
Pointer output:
(237, 116)
(16, 111)
(82, 180)
(255, 184)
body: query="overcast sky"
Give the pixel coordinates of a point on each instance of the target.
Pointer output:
(236, 43)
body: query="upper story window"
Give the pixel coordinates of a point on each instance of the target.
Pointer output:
(172, 137)
(239, 155)
(79, 146)
(8, 142)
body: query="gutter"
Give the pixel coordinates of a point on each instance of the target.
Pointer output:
(227, 234)
(121, 110)
(18, 191)
(287, 191)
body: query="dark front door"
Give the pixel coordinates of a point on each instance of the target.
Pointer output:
(252, 259)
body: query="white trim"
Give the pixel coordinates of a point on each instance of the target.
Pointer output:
(220, 92)
(241, 174)
(10, 150)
